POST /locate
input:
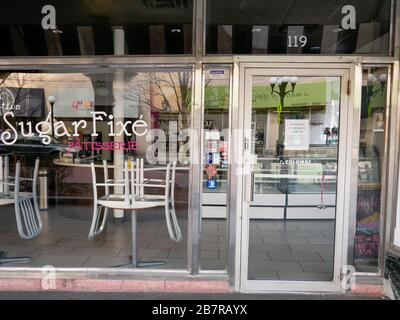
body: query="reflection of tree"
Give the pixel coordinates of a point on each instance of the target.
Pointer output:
(3, 78)
(212, 96)
(169, 92)
(19, 82)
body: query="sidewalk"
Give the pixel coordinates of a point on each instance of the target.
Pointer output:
(171, 296)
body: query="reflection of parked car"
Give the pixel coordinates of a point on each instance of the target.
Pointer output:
(33, 147)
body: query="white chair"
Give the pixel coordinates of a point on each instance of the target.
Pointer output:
(27, 214)
(138, 185)
(168, 185)
(125, 201)
(100, 213)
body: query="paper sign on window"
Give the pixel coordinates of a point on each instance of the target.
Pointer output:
(297, 135)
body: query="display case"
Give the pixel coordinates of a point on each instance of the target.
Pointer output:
(296, 187)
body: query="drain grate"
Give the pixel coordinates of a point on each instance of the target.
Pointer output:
(393, 273)
(171, 4)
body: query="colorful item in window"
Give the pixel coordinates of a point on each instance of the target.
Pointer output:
(212, 184)
(216, 158)
(213, 146)
(211, 171)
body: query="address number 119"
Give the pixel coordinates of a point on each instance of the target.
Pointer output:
(296, 41)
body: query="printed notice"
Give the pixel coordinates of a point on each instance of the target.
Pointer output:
(213, 135)
(297, 135)
(217, 74)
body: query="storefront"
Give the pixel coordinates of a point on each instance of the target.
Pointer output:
(281, 119)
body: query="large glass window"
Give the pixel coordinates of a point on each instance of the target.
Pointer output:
(86, 27)
(99, 115)
(216, 137)
(371, 169)
(298, 27)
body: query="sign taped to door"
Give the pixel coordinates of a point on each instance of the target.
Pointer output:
(297, 135)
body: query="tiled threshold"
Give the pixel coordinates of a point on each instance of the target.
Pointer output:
(148, 286)
(99, 285)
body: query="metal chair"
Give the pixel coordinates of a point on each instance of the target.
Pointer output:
(138, 185)
(168, 184)
(100, 213)
(27, 214)
(126, 201)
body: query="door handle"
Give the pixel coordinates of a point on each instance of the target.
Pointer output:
(252, 181)
(246, 144)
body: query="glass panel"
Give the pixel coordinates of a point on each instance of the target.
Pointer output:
(298, 27)
(161, 99)
(86, 27)
(215, 180)
(371, 168)
(295, 128)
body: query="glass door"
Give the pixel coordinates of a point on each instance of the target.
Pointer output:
(295, 145)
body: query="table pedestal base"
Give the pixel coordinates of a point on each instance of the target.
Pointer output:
(144, 264)
(135, 263)
(5, 260)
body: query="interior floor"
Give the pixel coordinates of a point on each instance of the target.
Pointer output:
(291, 250)
(287, 250)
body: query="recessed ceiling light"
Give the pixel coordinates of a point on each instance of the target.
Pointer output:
(176, 30)
(57, 31)
(315, 48)
(337, 30)
(255, 30)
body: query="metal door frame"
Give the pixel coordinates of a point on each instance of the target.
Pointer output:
(245, 71)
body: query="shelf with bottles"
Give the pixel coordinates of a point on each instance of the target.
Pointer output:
(215, 173)
(215, 161)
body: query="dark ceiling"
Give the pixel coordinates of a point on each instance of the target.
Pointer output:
(83, 12)
(166, 26)
(292, 11)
